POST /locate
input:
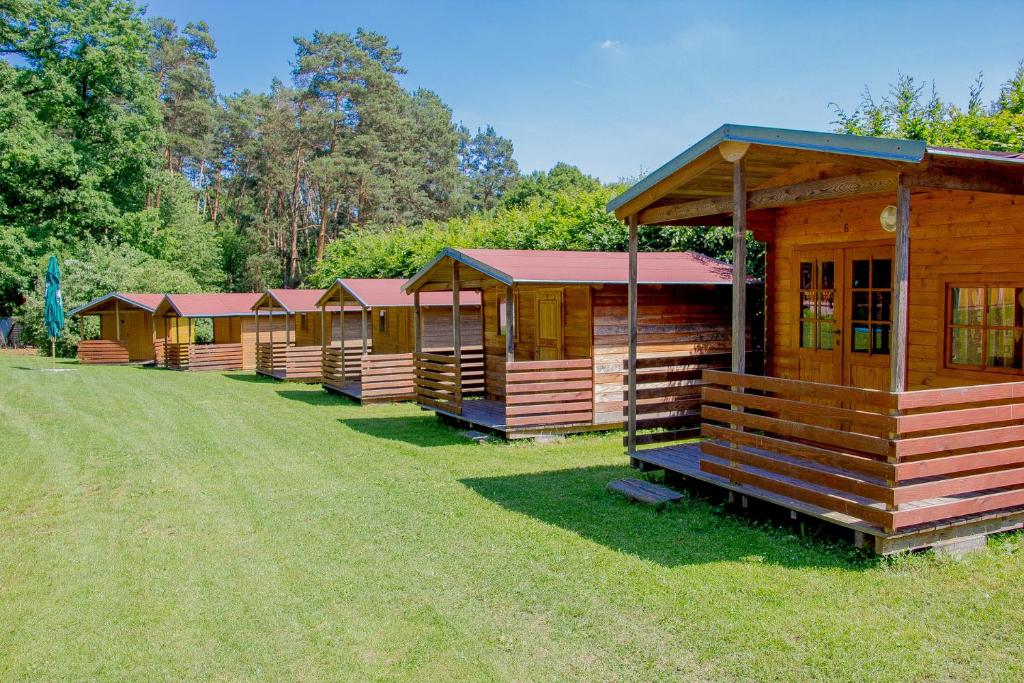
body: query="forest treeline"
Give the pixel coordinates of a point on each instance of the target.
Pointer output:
(118, 153)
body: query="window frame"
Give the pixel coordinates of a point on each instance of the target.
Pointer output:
(948, 325)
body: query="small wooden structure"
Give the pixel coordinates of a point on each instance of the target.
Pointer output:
(128, 333)
(291, 349)
(233, 346)
(892, 401)
(379, 367)
(555, 335)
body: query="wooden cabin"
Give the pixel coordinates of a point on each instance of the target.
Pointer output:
(378, 364)
(127, 331)
(892, 400)
(554, 334)
(292, 349)
(233, 345)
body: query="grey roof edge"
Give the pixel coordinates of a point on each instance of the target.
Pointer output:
(111, 295)
(457, 255)
(893, 149)
(340, 282)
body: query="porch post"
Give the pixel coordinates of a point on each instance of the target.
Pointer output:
(417, 337)
(117, 319)
(364, 315)
(272, 337)
(900, 289)
(739, 266)
(510, 325)
(167, 335)
(341, 331)
(456, 314)
(323, 331)
(631, 364)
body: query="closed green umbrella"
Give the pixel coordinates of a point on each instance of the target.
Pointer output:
(54, 312)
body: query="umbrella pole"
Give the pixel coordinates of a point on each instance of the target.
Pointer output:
(53, 353)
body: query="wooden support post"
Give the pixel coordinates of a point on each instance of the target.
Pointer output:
(417, 331)
(271, 347)
(900, 290)
(323, 330)
(167, 335)
(341, 331)
(456, 314)
(365, 328)
(510, 325)
(739, 266)
(632, 314)
(117, 319)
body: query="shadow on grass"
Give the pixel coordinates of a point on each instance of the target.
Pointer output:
(691, 532)
(423, 430)
(250, 377)
(313, 398)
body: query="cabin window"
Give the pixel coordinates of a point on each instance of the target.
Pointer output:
(382, 322)
(985, 326)
(817, 304)
(871, 316)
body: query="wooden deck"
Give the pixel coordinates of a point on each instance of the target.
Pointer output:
(689, 461)
(352, 389)
(489, 416)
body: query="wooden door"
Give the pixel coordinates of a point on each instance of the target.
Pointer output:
(548, 310)
(819, 277)
(868, 317)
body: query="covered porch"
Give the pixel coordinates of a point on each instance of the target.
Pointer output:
(229, 345)
(891, 402)
(127, 332)
(293, 353)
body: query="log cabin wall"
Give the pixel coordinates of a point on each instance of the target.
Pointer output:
(955, 236)
(672, 320)
(395, 335)
(136, 331)
(576, 328)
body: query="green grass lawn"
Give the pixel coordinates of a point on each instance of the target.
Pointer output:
(161, 525)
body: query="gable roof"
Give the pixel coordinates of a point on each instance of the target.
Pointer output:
(388, 292)
(520, 266)
(700, 172)
(212, 305)
(292, 300)
(144, 301)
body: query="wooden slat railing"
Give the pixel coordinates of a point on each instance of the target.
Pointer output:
(549, 392)
(176, 356)
(668, 394)
(102, 352)
(895, 460)
(215, 357)
(330, 366)
(271, 357)
(288, 361)
(442, 383)
(388, 376)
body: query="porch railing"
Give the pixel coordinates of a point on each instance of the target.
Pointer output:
(442, 382)
(176, 356)
(549, 392)
(388, 376)
(288, 361)
(102, 352)
(668, 394)
(895, 460)
(214, 356)
(331, 363)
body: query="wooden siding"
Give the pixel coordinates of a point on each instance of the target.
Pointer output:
(397, 337)
(136, 333)
(677, 321)
(954, 235)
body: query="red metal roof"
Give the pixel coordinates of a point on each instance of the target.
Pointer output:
(386, 292)
(524, 266)
(148, 302)
(218, 305)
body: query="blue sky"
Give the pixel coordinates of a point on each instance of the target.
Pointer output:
(618, 88)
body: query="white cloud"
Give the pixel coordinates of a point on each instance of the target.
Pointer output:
(610, 44)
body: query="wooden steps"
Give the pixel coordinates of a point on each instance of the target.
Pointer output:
(645, 492)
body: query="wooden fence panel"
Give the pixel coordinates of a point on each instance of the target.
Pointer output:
(215, 357)
(549, 393)
(102, 352)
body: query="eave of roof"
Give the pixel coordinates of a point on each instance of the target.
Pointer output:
(120, 296)
(891, 149)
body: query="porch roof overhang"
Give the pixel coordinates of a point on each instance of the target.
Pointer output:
(788, 167)
(371, 293)
(512, 267)
(208, 305)
(291, 301)
(140, 301)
